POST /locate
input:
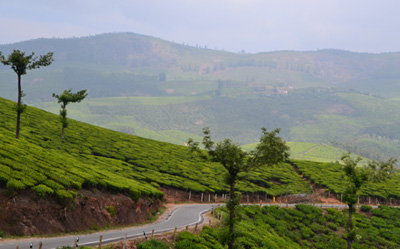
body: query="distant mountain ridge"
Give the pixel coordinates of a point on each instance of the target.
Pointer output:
(134, 51)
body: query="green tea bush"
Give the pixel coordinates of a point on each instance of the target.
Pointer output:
(188, 240)
(306, 232)
(152, 244)
(65, 195)
(14, 186)
(52, 184)
(333, 226)
(42, 190)
(365, 208)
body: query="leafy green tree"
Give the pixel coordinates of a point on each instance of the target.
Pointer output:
(357, 177)
(65, 98)
(238, 163)
(20, 63)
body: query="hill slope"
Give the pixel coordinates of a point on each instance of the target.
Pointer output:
(93, 157)
(64, 175)
(97, 176)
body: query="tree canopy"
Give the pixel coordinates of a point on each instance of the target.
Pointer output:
(237, 162)
(20, 63)
(357, 176)
(65, 98)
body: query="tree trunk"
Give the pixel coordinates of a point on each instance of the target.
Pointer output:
(19, 103)
(64, 119)
(349, 227)
(232, 216)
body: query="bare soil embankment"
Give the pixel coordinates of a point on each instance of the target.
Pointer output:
(26, 214)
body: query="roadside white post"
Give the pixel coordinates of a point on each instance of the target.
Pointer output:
(124, 246)
(75, 243)
(174, 233)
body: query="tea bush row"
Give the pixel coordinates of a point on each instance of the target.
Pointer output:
(331, 176)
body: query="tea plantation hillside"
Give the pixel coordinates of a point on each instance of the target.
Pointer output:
(91, 157)
(331, 177)
(302, 227)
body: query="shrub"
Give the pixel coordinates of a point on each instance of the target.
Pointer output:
(65, 195)
(134, 194)
(14, 186)
(111, 210)
(152, 244)
(188, 244)
(333, 226)
(246, 242)
(308, 209)
(188, 240)
(365, 208)
(1, 234)
(42, 190)
(52, 184)
(306, 232)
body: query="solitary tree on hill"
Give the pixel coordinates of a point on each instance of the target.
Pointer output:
(20, 63)
(357, 177)
(237, 162)
(65, 98)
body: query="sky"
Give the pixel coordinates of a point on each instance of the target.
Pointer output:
(232, 25)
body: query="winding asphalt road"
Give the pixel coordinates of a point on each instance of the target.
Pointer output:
(180, 217)
(183, 216)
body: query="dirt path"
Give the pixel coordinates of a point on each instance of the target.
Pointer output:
(318, 194)
(310, 149)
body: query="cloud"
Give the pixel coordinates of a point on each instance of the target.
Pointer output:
(252, 25)
(27, 30)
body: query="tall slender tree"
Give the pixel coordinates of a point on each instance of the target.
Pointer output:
(237, 162)
(20, 63)
(65, 98)
(357, 176)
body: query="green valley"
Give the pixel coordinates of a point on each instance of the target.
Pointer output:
(167, 91)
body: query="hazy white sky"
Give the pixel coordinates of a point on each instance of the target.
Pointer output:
(232, 25)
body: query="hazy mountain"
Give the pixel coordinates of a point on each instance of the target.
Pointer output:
(120, 55)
